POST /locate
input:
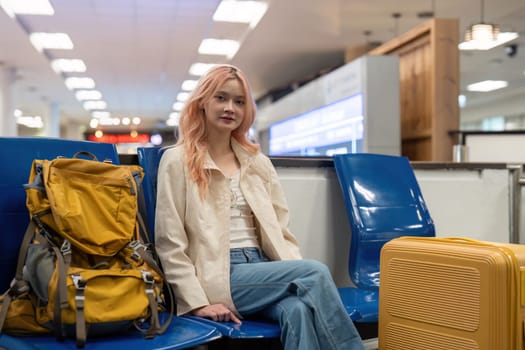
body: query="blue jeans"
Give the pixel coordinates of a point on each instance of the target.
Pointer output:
(299, 294)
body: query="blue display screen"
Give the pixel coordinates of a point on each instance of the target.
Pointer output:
(331, 129)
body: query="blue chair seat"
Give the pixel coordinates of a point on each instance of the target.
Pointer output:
(181, 334)
(149, 159)
(247, 329)
(361, 304)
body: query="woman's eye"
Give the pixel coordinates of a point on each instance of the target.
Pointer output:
(219, 97)
(240, 102)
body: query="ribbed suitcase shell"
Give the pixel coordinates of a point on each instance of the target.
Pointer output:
(451, 294)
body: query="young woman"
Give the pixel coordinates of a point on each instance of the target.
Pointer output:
(222, 226)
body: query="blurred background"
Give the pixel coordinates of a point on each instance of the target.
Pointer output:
(122, 68)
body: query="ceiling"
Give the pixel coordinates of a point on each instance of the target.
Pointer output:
(139, 51)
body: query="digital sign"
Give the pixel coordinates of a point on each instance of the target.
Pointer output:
(331, 129)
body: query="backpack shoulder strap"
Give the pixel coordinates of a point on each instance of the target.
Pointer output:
(18, 285)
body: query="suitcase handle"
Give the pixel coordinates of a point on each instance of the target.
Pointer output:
(449, 239)
(462, 239)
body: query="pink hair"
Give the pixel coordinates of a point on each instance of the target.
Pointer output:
(192, 126)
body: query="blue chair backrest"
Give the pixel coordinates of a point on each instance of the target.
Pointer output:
(16, 156)
(383, 201)
(149, 159)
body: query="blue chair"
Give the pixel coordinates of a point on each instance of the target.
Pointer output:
(383, 201)
(17, 154)
(149, 159)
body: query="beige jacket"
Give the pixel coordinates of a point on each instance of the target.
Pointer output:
(192, 236)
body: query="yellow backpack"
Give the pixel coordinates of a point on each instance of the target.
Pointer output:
(86, 266)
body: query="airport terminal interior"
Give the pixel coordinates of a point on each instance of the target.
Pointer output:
(436, 87)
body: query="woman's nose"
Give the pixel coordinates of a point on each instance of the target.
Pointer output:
(228, 106)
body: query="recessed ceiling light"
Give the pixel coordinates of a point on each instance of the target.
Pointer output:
(189, 85)
(101, 114)
(68, 65)
(79, 83)
(224, 47)
(177, 106)
(83, 95)
(30, 121)
(172, 122)
(199, 69)
(173, 119)
(240, 12)
(27, 7)
(183, 96)
(487, 85)
(90, 105)
(60, 41)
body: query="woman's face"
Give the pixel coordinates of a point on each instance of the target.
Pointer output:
(224, 111)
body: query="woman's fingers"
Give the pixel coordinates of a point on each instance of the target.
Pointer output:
(217, 312)
(235, 318)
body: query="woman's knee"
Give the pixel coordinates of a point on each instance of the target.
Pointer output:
(315, 277)
(317, 268)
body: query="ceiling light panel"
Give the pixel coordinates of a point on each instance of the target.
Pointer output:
(199, 69)
(83, 95)
(487, 85)
(79, 83)
(60, 41)
(68, 65)
(189, 85)
(224, 47)
(177, 106)
(27, 7)
(101, 114)
(500, 39)
(249, 12)
(91, 105)
(183, 96)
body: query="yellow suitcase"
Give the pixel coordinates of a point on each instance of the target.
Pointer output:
(451, 294)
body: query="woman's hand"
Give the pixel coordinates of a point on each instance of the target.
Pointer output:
(216, 312)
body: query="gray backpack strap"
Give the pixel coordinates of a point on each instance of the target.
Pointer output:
(18, 285)
(63, 260)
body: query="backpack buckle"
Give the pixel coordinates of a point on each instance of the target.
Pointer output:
(136, 245)
(65, 248)
(80, 286)
(78, 281)
(149, 280)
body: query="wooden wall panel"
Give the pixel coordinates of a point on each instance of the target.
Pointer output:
(429, 88)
